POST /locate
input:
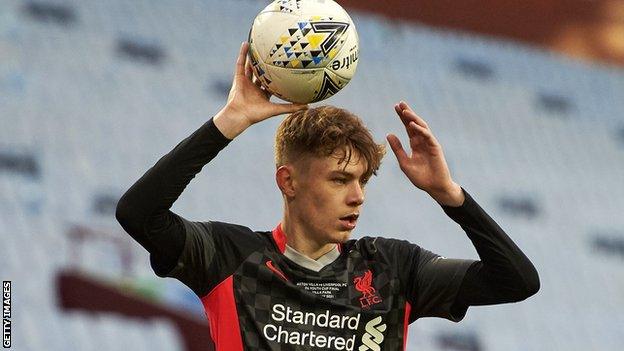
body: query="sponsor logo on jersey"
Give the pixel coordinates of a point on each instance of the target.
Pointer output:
(291, 326)
(372, 339)
(364, 284)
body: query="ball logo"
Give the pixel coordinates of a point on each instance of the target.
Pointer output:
(328, 88)
(372, 339)
(303, 51)
(364, 284)
(335, 31)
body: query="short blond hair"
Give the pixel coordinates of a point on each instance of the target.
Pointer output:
(323, 130)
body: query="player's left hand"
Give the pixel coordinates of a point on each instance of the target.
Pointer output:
(425, 167)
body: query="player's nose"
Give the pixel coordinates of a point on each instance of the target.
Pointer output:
(356, 194)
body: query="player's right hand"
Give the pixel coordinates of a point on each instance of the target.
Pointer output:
(248, 101)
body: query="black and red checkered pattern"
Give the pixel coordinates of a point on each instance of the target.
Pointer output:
(258, 299)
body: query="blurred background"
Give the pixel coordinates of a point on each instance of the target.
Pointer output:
(527, 99)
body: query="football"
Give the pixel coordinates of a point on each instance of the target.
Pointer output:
(303, 50)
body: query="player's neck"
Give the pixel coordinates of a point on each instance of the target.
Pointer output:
(297, 239)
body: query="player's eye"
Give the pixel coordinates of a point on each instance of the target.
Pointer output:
(340, 180)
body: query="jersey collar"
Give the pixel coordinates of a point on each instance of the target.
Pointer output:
(279, 237)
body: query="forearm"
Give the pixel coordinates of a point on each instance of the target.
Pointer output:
(504, 273)
(145, 206)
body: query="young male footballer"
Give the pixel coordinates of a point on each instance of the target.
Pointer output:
(306, 285)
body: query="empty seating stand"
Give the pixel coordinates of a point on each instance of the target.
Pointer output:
(93, 93)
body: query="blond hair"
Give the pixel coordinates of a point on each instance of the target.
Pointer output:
(323, 130)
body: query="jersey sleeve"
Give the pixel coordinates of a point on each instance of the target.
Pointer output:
(504, 273)
(196, 253)
(431, 281)
(434, 283)
(195, 258)
(212, 251)
(443, 287)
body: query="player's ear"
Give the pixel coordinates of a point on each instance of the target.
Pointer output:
(285, 181)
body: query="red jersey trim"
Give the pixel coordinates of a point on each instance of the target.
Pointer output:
(222, 316)
(279, 237)
(408, 309)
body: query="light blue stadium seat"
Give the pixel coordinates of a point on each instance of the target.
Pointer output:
(95, 120)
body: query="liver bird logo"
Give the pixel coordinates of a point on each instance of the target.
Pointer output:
(364, 284)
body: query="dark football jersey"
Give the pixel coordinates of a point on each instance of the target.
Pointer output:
(256, 298)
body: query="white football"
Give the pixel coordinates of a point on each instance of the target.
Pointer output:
(303, 50)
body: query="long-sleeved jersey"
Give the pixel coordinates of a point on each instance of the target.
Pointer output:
(257, 298)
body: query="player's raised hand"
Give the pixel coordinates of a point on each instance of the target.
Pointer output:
(425, 165)
(248, 102)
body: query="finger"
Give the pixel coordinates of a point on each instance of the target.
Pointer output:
(289, 108)
(404, 105)
(408, 116)
(240, 61)
(397, 148)
(248, 68)
(404, 119)
(397, 109)
(257, 82)
(407, 110)
(423, 133)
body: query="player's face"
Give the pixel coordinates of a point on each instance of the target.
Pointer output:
(330, 196)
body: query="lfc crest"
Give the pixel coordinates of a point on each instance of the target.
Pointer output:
(364, 284)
